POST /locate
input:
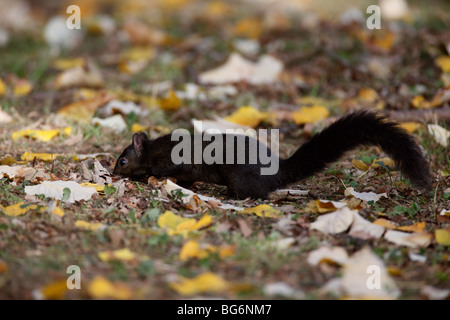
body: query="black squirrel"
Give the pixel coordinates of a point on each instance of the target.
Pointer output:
(145, 157)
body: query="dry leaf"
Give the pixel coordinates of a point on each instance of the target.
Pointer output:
(263, 210)
(365, 196)
(120, 254)
(334, 255)
(207, 282)
(247, 116)
(440, 134)
(237, 68)
(89, 226)
(335, 222)
(310, 114)
(55, 190)
(42, 135)
(102, 288)
(364, 229)
(414, 240)
(442, 236)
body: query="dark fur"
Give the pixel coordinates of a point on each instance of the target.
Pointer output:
(153, 157)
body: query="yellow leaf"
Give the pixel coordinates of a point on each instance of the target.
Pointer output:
(248, 27)
(29, 156)
(101, 288)
(42, 135)
(204, 283)
(136, 127)
(358, 164)
(247, 116)
(18, 209)
(58, 211)
(442, 236)
(410, 126)
(121, 254)
(55, 290)
(64, 64)
(444, 63)
(263, 210)
(191, 249)
(172, 102)
(2, 88)
(7, 160)
(179, 225)
(22, 87)
(217, 9)
(367, 95)
(88, 225)
(93, 185)
(310, 114)
(416, 227)
(85, 109)
(419, 102)
(170, 220)
(388, 162)
(385, 223)
(226, 251)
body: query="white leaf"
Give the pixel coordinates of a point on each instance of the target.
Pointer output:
(27, 173)
(366, 196)
(4, 117)
(439, 133)
(55, 190)
(363, 229)
(336, 255)
(335, 222)
(115, 122)
(365, 276)
(413, 240)
(237, 68)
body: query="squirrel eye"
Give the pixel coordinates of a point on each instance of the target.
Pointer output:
(122, 162)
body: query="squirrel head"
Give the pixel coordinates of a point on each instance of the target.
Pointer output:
(132, 161)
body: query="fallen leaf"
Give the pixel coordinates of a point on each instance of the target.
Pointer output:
(364, 229)
(55, 190)
(335, 222)
(442, 236)
(263, 210)
(2, 88)
(414, 240)
(18, 209)
(28, 173)
(171, 102)
(55, 290)
(22, 87)
(102, 288)
(331, 255)
(444, 63)
(69, 63)
(79, 77)
(89, 225)
(191, 249)
(4, 117)
(84, 110)
(120, 254)
(365, 276)
(410, 126)
(440, 134)
(365, 196)
(116, 122)
(237, 68)
(247, 116)
(416, 227)
(42, 135)
(180, 225)
(310, 114)
(207, 282)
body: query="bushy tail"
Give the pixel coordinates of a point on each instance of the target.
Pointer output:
(355, 129)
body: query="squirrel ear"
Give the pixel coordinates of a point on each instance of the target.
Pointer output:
(138, 142)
